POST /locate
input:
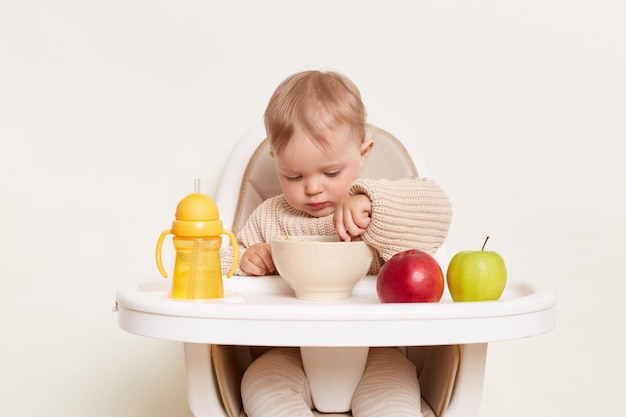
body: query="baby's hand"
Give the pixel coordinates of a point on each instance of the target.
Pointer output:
(257, 260)
(352, 216)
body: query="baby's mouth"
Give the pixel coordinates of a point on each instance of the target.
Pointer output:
(317, 206)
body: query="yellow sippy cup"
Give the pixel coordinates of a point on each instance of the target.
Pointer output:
(197, 240)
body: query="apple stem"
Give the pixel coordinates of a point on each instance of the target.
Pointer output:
(485, 243)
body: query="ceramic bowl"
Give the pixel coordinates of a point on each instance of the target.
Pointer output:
(321, 268)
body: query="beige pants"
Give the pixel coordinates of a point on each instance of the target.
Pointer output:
(275, 385)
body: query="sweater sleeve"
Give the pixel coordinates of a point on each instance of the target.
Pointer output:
(411, 213)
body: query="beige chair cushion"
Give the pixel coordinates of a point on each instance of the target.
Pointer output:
(228, 373)
(438, 376)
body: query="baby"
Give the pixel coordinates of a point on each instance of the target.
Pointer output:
(315, 123)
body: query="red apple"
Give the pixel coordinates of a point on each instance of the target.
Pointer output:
(412, 276)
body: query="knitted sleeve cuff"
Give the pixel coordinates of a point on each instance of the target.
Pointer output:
(411, 213)
(227, 257)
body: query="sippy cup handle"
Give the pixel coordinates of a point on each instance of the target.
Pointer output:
(233, 242)
(158, 252)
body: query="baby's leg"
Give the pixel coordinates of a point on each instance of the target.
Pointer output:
(275, 385)
(389, 386)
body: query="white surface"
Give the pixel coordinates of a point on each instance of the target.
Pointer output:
(256, 309)
(108, 110)
(333, 374)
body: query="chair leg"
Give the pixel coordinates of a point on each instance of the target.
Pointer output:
(468, 387)
(203, 393)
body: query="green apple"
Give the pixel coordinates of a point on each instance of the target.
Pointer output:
(477, 275)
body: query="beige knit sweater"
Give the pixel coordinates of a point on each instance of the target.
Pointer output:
(411, 213)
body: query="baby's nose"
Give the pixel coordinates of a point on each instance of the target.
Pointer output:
(313, 187)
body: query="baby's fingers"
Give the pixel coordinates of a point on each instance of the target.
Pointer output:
(258, 261)
(362, 220)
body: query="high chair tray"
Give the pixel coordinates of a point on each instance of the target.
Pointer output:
(264, 311)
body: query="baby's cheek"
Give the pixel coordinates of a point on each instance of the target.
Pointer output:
(340, 189)
(290, 193)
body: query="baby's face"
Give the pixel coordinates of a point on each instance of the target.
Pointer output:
(314, 179)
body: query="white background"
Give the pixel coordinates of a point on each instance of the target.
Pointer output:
(109, 109)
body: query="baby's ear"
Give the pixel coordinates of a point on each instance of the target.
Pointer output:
(366, 148)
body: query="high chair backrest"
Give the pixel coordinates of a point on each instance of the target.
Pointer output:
(249, 176)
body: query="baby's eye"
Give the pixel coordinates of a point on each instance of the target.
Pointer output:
(294, 178)
(333, 173)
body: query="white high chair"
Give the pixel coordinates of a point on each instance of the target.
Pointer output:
(447, 341)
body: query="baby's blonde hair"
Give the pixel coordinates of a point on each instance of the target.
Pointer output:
(314, 102)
